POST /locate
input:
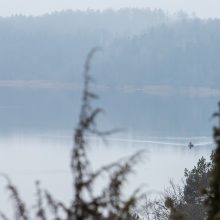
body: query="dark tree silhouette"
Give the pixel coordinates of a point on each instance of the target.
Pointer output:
(213, 200)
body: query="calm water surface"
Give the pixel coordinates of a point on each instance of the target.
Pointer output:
(46, 157)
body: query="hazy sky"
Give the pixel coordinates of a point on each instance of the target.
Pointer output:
(202, 8)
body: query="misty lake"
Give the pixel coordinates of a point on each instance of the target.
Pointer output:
(155, 77)
(46, 157)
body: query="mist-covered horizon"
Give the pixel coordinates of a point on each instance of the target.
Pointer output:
(206, 9)
(103, 11)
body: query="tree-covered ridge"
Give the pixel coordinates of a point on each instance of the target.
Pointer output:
(140, 46)
(123, 21)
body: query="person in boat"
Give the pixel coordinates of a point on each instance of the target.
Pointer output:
(190, 145)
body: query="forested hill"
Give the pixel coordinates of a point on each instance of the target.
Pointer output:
(139, 46)
(161, 71)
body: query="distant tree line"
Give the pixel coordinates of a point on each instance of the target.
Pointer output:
(140, 46)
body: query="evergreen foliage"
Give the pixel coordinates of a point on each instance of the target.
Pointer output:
(213, 200)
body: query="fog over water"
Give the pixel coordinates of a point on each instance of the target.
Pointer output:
(46, 157)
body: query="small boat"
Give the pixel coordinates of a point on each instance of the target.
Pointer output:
(190, 145)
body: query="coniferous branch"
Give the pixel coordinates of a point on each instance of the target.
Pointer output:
(54, 206)
(20, 210)
(40, 210)
(110, 201)
(3, 216)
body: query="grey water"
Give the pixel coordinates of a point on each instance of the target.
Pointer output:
(26, 158)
